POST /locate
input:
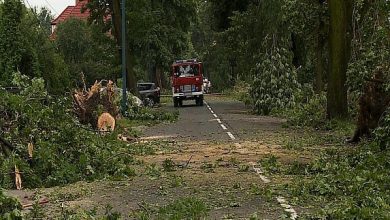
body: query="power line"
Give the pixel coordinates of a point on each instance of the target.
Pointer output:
(29, 5)
(51, 6)
(34, 12)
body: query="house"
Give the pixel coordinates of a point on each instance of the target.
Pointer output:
(71, 12)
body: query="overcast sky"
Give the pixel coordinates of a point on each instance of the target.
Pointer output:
(56, 6)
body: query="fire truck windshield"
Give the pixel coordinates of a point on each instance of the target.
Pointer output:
(186, 71)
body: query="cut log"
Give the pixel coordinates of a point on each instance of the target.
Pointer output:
(106, 123)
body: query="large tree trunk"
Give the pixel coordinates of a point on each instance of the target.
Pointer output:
(339, 51)
(116, 17)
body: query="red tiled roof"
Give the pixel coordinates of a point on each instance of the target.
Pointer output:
(72, 11)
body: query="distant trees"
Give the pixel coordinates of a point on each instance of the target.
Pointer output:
(86, 49)
(157, 33)
(11, 12)
(333, 45)
(25, 47)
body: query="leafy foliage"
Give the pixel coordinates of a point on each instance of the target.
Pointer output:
(87, 50)
(275, 83)
(64, 151)
(310, 113)
(355, 184)
(10, 208)
(145, 114)
(188, 208)
(25, 46)
(382, 134)
(157, 33)
(10, 38)
(185, 208)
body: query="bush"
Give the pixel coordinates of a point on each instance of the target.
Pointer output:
(382, 134)
(311, 113)
(10, 208)
(149, 114)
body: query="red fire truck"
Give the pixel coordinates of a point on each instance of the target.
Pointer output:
(187, 82)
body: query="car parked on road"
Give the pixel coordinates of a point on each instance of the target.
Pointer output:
(149, 93)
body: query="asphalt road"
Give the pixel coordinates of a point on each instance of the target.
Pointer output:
(213, 121)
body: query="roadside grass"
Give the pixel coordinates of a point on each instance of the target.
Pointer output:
(166, 100)
(184, 208)
(151, 116)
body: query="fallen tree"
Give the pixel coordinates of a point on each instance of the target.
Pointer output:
(89, 104)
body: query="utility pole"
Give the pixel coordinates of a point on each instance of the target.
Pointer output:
(123, 50)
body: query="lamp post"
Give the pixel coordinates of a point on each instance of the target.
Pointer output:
(123, 50)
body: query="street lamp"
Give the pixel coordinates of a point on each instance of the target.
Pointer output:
(123, 50)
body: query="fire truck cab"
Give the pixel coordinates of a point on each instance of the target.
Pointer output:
(187, 82)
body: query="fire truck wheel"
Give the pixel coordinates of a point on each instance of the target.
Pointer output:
(199, 101)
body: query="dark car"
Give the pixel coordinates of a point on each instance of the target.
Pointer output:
(149, 93)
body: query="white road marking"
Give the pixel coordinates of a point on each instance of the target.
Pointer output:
(231, 135)
(282, 201)
(287, 208)
(260, 173)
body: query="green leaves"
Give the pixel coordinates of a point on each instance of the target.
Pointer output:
(10, 38)
(275, 83)
(64, 150)
(86, 49)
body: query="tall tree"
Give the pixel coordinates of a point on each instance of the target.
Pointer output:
(157, 31)
(86, 49)
(10, 38)
(101, 10)
(223, 10)
(339, 52)
(45, 17)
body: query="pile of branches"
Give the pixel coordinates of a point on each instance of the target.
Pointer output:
(43, 145)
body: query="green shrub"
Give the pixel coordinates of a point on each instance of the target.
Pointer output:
(353, 184)
(311, 113)
(382, 134)
(10, 208)
(143, 113)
